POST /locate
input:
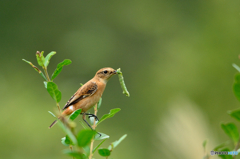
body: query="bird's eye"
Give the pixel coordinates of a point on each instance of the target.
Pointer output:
(105, 71)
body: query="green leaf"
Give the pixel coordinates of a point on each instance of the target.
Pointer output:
(75, 114)
(45, 84)
(48, 57)
(99, 103)
(84, 137)
(40, 58)
(52, 114)
(35, 68)
(104, 152)
(204, 144)
(102, 137)
(68, 132)
(225, 156)
(219, 147)
(235, 114)
(236, 90)
(59, 68)
(236, 67)
(63, 141)
(116, 143)
(98, 145)
(87, 150)
(109, 115)
(231, 130)
(237, 77)
(236, 86)
(68, 140)
(52, 89)
(75, 154)
(122, 83)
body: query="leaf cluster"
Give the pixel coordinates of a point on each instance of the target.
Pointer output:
(83, 138)
(43, 62)
(230, 128)
(79, 143)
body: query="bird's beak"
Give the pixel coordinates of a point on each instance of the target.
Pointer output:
(114, 72)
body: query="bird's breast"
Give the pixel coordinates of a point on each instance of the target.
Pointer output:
(88, 102)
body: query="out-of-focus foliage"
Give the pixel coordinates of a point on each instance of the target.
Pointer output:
(176, 57)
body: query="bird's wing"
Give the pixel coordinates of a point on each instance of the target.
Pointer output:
(84, 92)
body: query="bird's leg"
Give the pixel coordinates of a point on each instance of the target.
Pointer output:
(84, 118)
(92, 115)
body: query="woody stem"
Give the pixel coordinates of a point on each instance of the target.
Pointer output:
(93, 126)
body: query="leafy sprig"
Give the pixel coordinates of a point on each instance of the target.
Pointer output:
(230, 128)
(81, 144)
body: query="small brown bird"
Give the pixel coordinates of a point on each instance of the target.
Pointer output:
(88, 94)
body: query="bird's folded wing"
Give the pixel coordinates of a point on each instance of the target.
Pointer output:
(86, 91)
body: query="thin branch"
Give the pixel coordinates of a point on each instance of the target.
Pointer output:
(59, 108)
(46, 73)
(94, 127)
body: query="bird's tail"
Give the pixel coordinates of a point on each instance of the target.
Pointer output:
(53, 124)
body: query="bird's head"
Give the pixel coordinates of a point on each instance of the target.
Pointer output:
(105, 73)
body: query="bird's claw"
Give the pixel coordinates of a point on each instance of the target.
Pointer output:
(92, 115)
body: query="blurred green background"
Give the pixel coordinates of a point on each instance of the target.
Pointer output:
(175, 56)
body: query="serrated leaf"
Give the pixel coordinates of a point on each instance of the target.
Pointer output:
(98, 145)
(235, 114)
(68, 132)
(109, 115)
(104, 152)
(48, 57)
(59, 68)
(40, 58)
(75, 154)
(102, 137)
(75, 114)
(116, 143)
(84, 137)
(99, 103)
(51, 114)
(52, 89)
(231, 130)
(36, 69)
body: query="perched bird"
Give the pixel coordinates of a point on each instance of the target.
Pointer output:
(88, 94)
